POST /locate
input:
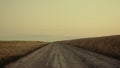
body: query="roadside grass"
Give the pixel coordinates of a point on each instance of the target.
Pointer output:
(108, 45)
(12, 50)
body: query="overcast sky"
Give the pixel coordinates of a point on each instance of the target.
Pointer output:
(51, 20)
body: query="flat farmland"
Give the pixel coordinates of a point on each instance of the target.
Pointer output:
(13, 50)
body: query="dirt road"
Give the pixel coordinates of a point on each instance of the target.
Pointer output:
(64, 56)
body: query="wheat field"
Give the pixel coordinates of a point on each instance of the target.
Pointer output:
(12, 50)
(108, 45)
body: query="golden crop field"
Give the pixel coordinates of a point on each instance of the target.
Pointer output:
(109, 45)
(12, 50)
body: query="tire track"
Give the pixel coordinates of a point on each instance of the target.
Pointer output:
(57, 55)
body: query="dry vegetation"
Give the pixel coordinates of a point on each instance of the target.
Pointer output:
(109, 45)
(12, 50)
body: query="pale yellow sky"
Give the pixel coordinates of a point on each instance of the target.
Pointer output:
(58, 19)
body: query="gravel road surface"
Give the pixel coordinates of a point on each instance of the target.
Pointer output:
(56, 55)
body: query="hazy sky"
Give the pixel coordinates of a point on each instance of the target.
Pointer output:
(50, 20)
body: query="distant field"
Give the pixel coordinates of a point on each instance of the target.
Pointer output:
(12, 50)
(109, 45)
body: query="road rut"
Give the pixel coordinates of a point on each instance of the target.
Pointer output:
(56, 55)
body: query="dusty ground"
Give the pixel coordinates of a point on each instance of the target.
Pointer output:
(64, 56)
